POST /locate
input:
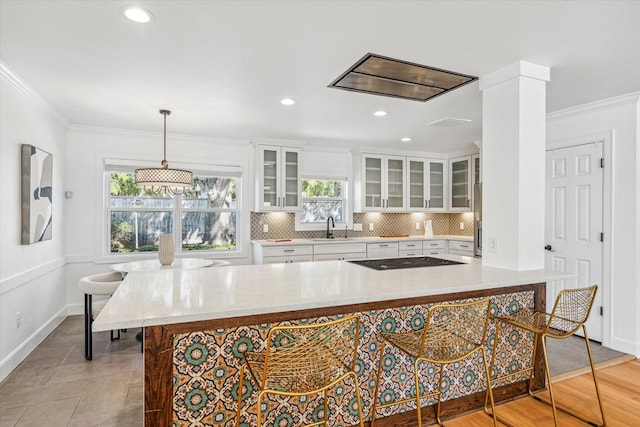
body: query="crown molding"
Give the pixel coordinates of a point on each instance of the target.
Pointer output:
(630, 98)
(97, 130)
(23, 87)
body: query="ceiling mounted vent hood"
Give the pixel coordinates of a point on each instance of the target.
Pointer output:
(380, 75)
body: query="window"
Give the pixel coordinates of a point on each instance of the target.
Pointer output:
(322, 198)
(204, 218)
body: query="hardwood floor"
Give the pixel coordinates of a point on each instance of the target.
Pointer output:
(55, 386)
(619, 386)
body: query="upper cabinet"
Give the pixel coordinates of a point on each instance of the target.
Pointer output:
(383, 184)
(460, 178)
(426, 184)
(278, 178)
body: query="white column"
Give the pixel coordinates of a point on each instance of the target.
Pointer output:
(513, 169)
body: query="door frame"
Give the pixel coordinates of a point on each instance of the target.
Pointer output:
(607, 139)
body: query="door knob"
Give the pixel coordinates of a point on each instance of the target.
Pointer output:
(549, 248)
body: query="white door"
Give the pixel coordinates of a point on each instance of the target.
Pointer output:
(573, 224)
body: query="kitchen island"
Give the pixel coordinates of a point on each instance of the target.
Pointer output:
(198, 322)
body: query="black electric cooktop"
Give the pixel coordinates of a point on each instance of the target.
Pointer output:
(398, 263)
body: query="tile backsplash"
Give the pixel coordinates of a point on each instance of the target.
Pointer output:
(282, 225)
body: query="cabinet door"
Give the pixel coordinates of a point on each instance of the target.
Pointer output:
(395, 184)
(460, 184)
(437, 185)
(270, 161)
(417, 184)
(290, 179)
(372, 177)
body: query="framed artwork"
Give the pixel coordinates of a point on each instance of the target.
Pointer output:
(37, 192)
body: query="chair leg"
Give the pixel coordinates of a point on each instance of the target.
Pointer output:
(491, 367)
(595, 383)
(88, 320)
(489, 393)
(417, 382)
(240, 394)
(355, 385)
(439, 396)
(375, 392)
(326, 407)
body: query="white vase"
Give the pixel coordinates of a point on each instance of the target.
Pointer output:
(166, 251)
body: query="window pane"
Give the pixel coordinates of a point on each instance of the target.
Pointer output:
(209, 192)
(208, 231)
(126, 194)
(138, 231)
(319, 210)
(321, 188)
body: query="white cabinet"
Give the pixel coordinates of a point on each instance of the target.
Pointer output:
(412, 248)
(426, 184)
(383, 183)
(277, 178)
(382, 250)
(282, 254)
(460, 175)
(339, 251)
(459, 247)
(434, 247)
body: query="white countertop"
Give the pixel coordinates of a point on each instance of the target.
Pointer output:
(176, 296)
(320, 241)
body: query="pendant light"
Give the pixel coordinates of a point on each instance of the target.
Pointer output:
(172, 181)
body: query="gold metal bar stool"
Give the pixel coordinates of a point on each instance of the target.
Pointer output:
(452, 332)
(304, 360)
(570, 311)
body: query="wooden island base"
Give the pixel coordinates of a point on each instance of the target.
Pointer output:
(191, 369)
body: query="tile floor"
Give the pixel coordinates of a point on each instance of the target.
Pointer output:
(55, 386)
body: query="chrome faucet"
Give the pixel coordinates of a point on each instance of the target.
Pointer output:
(330, 234)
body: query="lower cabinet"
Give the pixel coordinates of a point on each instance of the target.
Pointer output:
(382, 250)
(282, 254)
(339, 251)
(459, 247)
(434, 247)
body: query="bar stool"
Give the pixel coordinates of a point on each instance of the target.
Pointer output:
(570, 311)
(97, 284)
(304, 360)
(452, 332)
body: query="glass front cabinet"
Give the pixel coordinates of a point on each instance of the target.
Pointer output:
(426, 184)
(460, 178)
(383, 183)
(278, 178)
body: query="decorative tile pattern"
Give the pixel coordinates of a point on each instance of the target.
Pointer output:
(206, 366)
(282, 225)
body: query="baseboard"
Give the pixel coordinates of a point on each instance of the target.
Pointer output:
(9, 363)
(75, 309)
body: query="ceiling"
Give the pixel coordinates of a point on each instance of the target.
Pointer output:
(223, 66)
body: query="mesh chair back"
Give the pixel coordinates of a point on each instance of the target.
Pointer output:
(572, 308)
(308, 357)
(464, 324)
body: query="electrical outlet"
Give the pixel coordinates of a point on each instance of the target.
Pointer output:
(417, 226)
(265, 228)
(493, 244)
(357, 226)
(18, 319)
(462, 226)
(370, 226)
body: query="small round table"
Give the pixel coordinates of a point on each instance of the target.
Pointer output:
(154, 264)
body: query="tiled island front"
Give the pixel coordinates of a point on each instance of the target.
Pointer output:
(198, 323)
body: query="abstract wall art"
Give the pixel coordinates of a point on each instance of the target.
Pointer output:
(37, 190)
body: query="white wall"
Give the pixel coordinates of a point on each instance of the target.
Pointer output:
(87, 149)
(32, 277)
(619, 118)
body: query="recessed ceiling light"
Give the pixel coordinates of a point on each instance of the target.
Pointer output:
(287, 101)
(380, 113)
(406, 139)
(138, 14)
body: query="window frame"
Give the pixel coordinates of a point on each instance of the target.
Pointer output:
(315, 226)
(177, 211)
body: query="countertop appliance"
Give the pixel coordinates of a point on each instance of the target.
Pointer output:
(410, 262)
(477, 220)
